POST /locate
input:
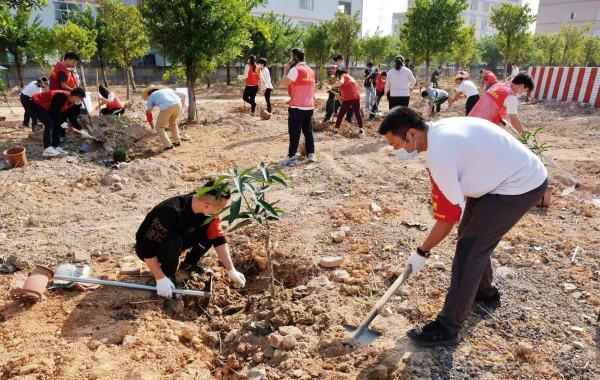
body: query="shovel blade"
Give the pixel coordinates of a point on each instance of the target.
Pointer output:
(363, 338)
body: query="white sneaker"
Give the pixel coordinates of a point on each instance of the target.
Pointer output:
(312, 157)
(361, 131)
(61, 151)
(289, 161)
(335, 131)
(50, 152)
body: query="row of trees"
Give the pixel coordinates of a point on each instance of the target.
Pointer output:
(199, 35)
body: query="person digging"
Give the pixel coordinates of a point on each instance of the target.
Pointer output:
(170, 105)
(477, 171)
(183, 223)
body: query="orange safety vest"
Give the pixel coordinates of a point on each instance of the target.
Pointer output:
(380, 83)
(491, 105)
(349, 89)
(302, 90)
(253, 77)
(55, 82)
(44, 99)
(115, 104)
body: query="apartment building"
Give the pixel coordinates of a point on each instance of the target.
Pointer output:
(308, 12)
(553, 13)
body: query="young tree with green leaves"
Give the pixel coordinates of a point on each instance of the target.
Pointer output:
(548, 49)
(431, 27)
(319, 46)
(488, 48)
(376, 48)
(463, 51)
(345, 33)
(25, 5)
(126, 35)
(591, 51)
(72, 37)
(19, 36)
(199, 34)
(572, 37)
(512, 23)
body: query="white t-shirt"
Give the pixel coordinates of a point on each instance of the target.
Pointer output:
(512, 104)
(293, 75)
(398, 81)
(31, 89)
(163, 99)
(471, 157)
(265, 76)
(514, 72)
(468, 88)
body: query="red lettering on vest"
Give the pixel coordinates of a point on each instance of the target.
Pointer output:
(302, 90)
(253, 76)
(44, 99)
(349, 89)
(55, 82)
(491, 105)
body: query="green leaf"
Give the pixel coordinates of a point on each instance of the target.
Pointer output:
(234, 210)
(204, 190)
(281, 181)
(239, 185)
(242, 224)
(265, 171)
(267, 206)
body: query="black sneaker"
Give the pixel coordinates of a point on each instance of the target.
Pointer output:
(176, 145)
(433, 334)
(490, 302)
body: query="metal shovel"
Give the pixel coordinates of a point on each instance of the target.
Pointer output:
(361, 334)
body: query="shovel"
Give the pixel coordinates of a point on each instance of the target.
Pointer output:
(361, 334)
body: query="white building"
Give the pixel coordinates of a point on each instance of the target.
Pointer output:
(308, 12)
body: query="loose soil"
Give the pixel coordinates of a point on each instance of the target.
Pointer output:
(52, 209)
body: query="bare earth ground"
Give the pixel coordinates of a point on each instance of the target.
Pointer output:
(52, 209)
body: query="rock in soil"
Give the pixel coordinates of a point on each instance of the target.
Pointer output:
(257, 373)
(338, 236)
(331, 261)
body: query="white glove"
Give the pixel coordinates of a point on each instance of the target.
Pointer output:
(237, 277)
(164, 287)
(416, 261)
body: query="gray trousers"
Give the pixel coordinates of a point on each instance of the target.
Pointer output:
(484, 222)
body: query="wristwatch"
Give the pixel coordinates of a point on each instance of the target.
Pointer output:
(423, 253)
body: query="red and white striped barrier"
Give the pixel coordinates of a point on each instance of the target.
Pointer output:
(567, 84)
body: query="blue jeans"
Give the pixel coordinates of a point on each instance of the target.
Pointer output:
(370, 97)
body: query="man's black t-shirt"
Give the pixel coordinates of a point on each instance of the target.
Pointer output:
(175, 215)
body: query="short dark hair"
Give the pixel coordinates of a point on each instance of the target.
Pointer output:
(425, 93)
(72, 55)
(369, 64)
(384, 73)
(43, 80)
(217, 190)
(78, 91)
(262, 61)
(337, 57)
(480, 71)
(339, 73)
(298, 53)
(400, 119)
(524, 79)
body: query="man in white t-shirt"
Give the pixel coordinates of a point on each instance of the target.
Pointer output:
(513, 73)
(466, 89)
(265, 79)
(478, 172)
(32, 88)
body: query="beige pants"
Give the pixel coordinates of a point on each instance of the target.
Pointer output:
(168, 116)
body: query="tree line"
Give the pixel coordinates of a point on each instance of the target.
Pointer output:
(197, 36)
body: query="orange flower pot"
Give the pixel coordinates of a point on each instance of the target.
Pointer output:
(16, 156)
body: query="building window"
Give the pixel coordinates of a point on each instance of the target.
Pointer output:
(306, 4)
(345, 7)
(486, 6)
(474, 5)
(572, 15)
(305, 24)
(63, 10)
(473, 20)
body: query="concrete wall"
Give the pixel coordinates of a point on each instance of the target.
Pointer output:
(553, 13)
(567, 84)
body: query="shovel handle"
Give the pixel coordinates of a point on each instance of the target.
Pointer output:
(91, 280)
(382, 301)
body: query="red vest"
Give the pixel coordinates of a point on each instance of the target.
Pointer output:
(115, 104)
(55, 82)
(44, 99)
(302, 90)
(349, 89)
(489, 77)
(380, 83)
(491, 105)
(253, 76)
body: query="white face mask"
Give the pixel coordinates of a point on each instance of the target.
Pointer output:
(403, 154)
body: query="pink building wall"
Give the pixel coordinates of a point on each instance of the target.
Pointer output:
(553, 13)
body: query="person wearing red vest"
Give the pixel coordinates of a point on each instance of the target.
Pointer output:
(488, 78)
(501, 99)
(350, 99)
(300, 83)
(251, 77)
(112, 102)
(53, 108)
(380, 90)
(63, 77)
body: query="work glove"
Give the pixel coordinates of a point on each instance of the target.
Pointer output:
(164, 287)
(237, 277)
(416, 261)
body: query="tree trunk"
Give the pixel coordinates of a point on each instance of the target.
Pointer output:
(207, 81)
(83, 78)
(102, 69)
(19, 68)
(228, 73)
(191, 76)
(270, 264)
(427, 62)
(133, 86)
(127, 79)
(320, 76)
